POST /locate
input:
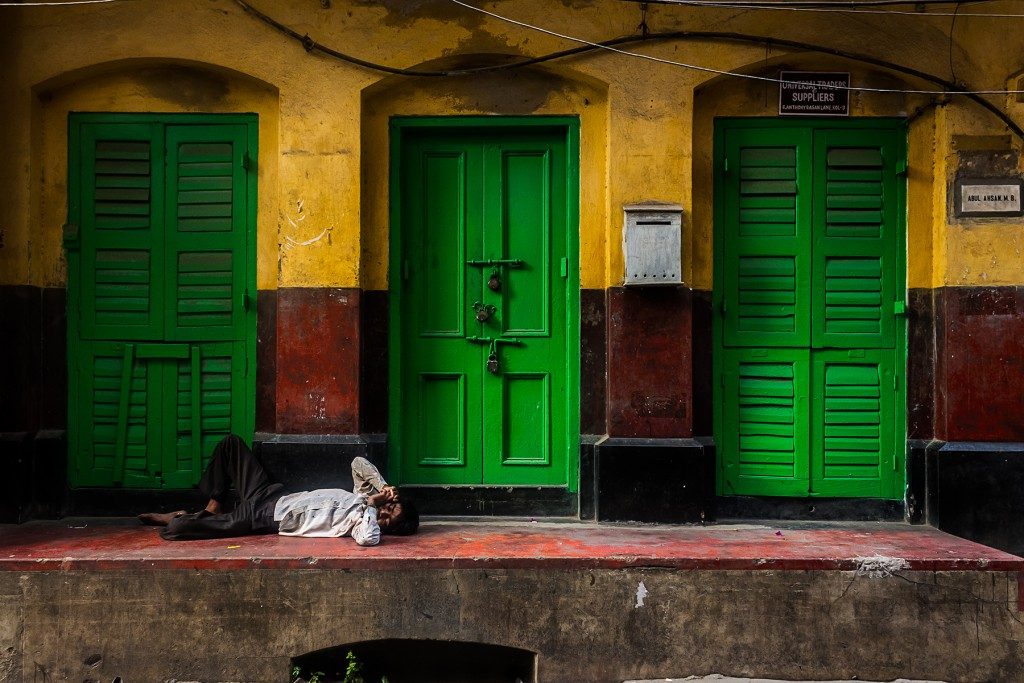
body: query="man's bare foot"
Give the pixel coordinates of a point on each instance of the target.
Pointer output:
(159, 518)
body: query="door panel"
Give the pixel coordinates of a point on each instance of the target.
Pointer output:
(160, 367)
(121, 237)
(854, 408)
(857, 228)
(767, 270)
(483, 206)
(766, 397)
(809, 229)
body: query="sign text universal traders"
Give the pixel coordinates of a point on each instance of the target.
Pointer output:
(814, 93)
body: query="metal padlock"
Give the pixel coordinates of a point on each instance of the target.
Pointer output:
(494, 281)
(492, 363)
(483, 311)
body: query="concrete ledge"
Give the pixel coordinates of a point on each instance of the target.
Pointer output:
(594, 625)
(99, 544)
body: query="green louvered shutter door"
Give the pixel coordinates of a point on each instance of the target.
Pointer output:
(207, 302)
(767, 264)
(765, 307)
(766, 440)
(116, 288)
(858, 276)
(121, 237)
(159, 321)
(809, 278)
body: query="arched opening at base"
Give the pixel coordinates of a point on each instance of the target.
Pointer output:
(402, 660)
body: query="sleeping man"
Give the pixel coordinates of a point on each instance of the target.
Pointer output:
(372, 509)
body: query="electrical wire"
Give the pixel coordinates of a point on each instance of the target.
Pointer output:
(951, 88)
(312, 46)
(56, 4)
(811, 7)
(720, 72)
(831, 3)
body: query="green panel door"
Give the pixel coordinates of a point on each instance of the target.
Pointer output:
(809, 282)
(482, 307)
(160, 268)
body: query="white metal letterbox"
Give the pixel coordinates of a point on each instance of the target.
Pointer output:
(651, 243)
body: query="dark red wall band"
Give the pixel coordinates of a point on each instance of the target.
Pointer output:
(645, 362)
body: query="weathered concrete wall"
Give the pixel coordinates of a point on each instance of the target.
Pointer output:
(585, 625)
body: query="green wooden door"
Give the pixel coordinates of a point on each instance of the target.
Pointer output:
(484, 229)
(160, 275)
(809, 283)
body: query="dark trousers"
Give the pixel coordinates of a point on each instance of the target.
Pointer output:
(232, 463)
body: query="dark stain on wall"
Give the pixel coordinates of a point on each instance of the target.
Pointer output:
(192, 88)
(987, 163)
(980, 363)
(373, 384)
(403, 13)
(649, 362)
(318, 360)
(266, 360)
(920, 364)
(593, 361)
(519, 91)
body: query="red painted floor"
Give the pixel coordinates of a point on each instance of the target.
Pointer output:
(120, 544)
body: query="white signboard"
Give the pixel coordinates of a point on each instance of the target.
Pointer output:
(989, 197)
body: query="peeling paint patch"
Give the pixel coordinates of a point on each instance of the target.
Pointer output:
(641, 595)
(880, 566)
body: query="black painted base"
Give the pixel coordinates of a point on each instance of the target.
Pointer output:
(16, 483)
(35, 475)
(504, 501)
(670, 481)
(304, 462)
(748, 508)
(977, 492)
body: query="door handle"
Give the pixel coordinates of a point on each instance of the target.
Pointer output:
(507, 262)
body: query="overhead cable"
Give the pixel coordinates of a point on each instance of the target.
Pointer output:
(810, 7)
(57, 4)
(950, 88)
(832, 3)
(721, 72)
(312, 46)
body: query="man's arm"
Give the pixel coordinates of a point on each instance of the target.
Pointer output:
(366, 478)
(367, 531)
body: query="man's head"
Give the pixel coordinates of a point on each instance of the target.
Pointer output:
(398, 517)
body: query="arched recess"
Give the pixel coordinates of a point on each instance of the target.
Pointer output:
(735, 97)
(144, 86)
(725, 95)
(523, 91)
(192, 286)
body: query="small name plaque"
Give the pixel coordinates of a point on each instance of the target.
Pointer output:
(814, 93)
(992, 197)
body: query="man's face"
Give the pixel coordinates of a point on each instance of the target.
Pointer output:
(388, 514)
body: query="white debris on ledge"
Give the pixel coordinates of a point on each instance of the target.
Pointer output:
(880, 566)
(718, 678)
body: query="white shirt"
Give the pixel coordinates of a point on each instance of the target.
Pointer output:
(333, 513)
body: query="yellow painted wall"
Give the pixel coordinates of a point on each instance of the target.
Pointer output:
(645, 126)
